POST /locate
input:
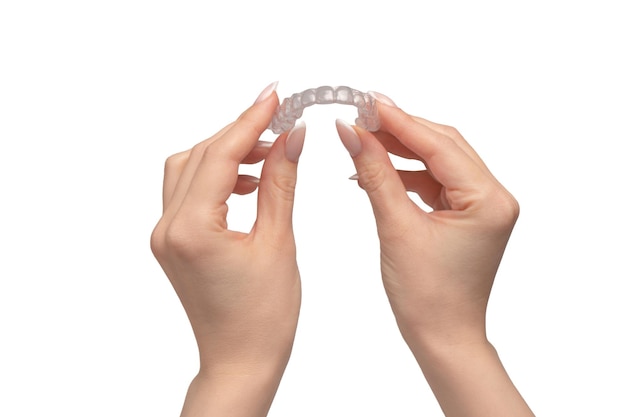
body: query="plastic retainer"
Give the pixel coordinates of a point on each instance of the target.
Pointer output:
(291, 108)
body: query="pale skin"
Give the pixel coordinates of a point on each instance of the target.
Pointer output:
(241, 291)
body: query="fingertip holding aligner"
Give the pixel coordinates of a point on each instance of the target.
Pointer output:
(292, 108)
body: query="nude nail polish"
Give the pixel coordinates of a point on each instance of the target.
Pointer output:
(295, 142)
(381, 98)
(266, 92)
(349, 138)
(264, 144)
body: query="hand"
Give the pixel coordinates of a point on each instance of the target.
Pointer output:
(240, 291)
(438, 267)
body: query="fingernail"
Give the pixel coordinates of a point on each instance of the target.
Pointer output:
(383, 98)
(349, 138)
(355, 177)
(266, 92)
(295, 142)
(264, 144)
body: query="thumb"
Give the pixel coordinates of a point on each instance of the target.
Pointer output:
(378, 177)
(278, 182)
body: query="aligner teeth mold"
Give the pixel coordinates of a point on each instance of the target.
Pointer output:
(291, 108)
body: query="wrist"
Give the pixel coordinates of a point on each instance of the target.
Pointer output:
(434, 335)
(440, 350)
(469, 379)
(233, 391)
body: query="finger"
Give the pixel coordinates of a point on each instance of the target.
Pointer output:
(174, 166)
(455, 135)
(258, 153)
(177, 187)
(448, 162)
(176, 163)
(246, 184)
(377, 176)
(394, 146)
(443, 129)
(424, 185)
(278, 183)
(217, 172)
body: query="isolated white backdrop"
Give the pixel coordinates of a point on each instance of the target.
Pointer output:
(95, 95)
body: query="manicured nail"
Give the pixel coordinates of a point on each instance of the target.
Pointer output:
(295, 142)
(264, 144)
(355, 177)
(348, 137)
(266, 92)
(383, 98)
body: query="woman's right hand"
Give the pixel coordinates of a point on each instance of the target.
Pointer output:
(241, 291)
(438, 267)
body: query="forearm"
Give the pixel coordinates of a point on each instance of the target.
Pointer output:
(236, 393)
(469, 380)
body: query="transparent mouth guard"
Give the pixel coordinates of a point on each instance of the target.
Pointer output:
(291, 108)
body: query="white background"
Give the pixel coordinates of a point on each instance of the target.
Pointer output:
(95, 95)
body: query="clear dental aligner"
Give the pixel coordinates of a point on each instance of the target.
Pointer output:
(291, 108)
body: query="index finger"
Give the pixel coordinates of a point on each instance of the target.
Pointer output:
(454, 134)
(446, 160)
(216, 175)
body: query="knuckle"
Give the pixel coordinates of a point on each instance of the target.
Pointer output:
(176, 240)
(176, 162)
(451, 132)
(212, 151)
(205, 150)
(157, 242)
(372, 177)
(283, 187)
(200, 149)
(512, 208)
(179, 241)
(504, 209)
